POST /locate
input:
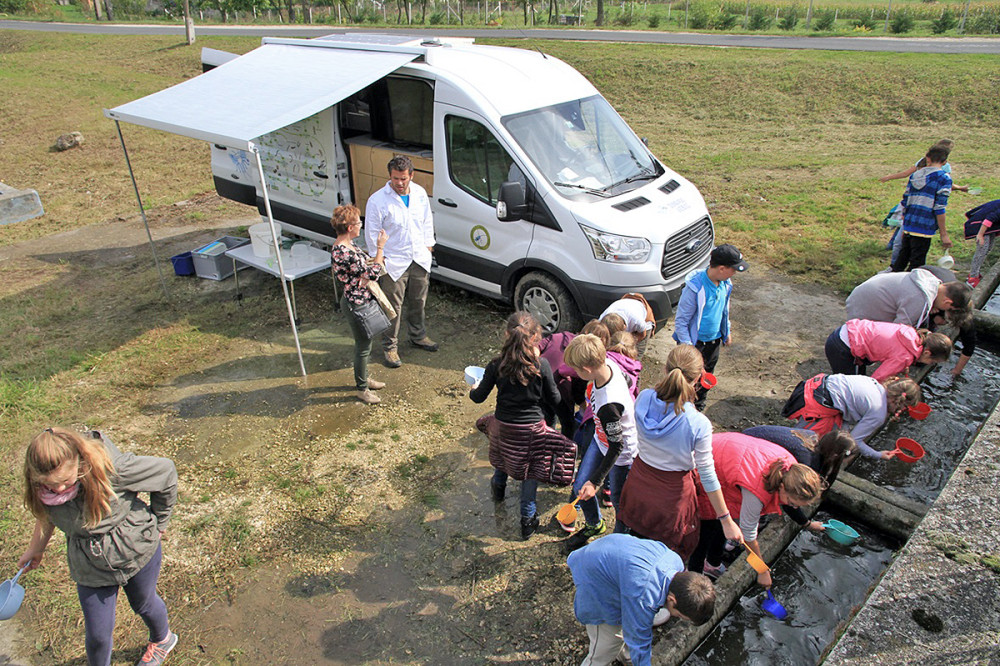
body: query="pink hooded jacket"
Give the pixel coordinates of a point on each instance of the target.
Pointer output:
(897, 346)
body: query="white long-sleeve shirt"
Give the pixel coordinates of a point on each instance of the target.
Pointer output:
(410, 228)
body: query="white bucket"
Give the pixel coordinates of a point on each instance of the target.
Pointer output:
(260, 239)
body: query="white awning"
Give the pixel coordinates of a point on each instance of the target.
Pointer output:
(272, 86)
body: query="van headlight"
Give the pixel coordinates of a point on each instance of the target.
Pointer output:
(615, 248)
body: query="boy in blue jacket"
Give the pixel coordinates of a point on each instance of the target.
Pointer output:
(624, 587)
(924, 205)
(702, 317)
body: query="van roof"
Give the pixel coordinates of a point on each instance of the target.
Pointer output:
(508, 80)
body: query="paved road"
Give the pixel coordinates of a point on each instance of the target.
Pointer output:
(884, 44)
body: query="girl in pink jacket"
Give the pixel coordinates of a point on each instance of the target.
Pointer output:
(860, 342)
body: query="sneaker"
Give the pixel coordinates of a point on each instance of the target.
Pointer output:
(425, 343)
(974, 280)
(583, 535)
(375, 385)
(497, 491)
(528, 526)
(713, 572)
(661, 617)
(156, 653)
(368, 397)
(606, 497)
(392, 358)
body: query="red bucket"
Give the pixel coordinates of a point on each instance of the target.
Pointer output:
(708, 380)
(908, 450)
(919, 411)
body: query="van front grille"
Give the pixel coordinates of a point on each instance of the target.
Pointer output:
(687, 247)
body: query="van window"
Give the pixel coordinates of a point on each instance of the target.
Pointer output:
(584, 147)
(476, 161)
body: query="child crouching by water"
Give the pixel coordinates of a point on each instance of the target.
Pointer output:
(522, 445)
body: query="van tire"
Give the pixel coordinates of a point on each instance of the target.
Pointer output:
(548, 301)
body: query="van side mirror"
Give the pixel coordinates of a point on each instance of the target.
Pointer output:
(510, 202)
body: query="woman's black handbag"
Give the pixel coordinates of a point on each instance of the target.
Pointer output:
(370, 317)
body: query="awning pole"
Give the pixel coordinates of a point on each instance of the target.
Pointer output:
(277, 254)
(142, 211)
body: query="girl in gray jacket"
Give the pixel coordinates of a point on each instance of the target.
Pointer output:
(89, 489)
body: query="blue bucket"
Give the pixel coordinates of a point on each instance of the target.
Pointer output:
(183, 263)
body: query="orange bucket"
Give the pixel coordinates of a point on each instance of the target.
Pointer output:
(708, 380)
(908, 450)
(919, 411)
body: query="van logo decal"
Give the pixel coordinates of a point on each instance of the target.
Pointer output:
(693, 245)
(480, 237)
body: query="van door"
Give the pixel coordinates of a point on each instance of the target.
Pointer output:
(473, 248)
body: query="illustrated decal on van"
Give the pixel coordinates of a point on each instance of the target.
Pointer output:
(241, 162)
(480, 237)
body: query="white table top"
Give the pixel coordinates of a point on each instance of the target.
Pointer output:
(318, 260)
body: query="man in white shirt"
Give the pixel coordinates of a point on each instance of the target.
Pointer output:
(403, 210)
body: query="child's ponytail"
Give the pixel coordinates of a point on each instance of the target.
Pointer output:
(684, 367)
(938, 344)
(519, 354)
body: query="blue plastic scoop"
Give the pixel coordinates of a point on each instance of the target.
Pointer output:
(11, 596)
(771, 606)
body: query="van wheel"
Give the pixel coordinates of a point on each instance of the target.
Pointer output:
(548, 301)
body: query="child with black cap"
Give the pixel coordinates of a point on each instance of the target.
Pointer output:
(702, 317)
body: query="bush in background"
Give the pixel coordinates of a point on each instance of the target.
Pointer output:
(944, 23)
(789, 20)
(653, 21)
(760, 19)
(865, 23)
(825, 20)
(725, 21)
(901, 22)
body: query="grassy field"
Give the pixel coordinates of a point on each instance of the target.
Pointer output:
(785, 146)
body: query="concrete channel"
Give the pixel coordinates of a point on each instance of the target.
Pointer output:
(939, 600)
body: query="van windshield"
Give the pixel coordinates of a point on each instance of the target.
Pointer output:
(584, 147)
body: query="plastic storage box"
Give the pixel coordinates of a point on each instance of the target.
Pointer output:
(210, 261)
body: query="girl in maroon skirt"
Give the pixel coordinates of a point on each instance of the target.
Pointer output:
(675, 439)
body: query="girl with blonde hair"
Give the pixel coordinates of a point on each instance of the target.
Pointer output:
(89, 489)
(675, 439)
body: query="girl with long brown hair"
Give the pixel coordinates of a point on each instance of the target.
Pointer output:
(86, 487)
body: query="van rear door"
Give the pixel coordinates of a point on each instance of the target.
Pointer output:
(473, 249)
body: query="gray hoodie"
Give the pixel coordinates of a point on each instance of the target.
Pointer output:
(127, 538)
(901, 298)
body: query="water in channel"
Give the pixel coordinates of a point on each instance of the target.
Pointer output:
(821, 583)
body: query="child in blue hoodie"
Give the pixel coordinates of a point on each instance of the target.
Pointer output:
(624, 587)
(702, 317)
(658, 501)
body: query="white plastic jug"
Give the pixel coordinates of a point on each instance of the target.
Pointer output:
(947, 261)
(260, 239)
(300, 254)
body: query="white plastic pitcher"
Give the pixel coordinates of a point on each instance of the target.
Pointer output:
(260, 239)
(300, 254)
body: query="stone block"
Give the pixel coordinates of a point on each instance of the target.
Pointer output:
(18, 205)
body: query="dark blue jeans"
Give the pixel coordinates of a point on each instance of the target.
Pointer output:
(98, 604)
(529, 491)
(616, 477)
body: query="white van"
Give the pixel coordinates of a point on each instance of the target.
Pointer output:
(541, 194)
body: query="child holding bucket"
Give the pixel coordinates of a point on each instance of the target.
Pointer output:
(659, 498)
(851, 348)
(823, 454)
(757, 478)
(89, 489)
(610, 396)
(522, 445)
(825, 402)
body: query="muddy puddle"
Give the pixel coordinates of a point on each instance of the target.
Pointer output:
(819, 582)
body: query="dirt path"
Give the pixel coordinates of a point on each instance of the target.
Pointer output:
(360, 535)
